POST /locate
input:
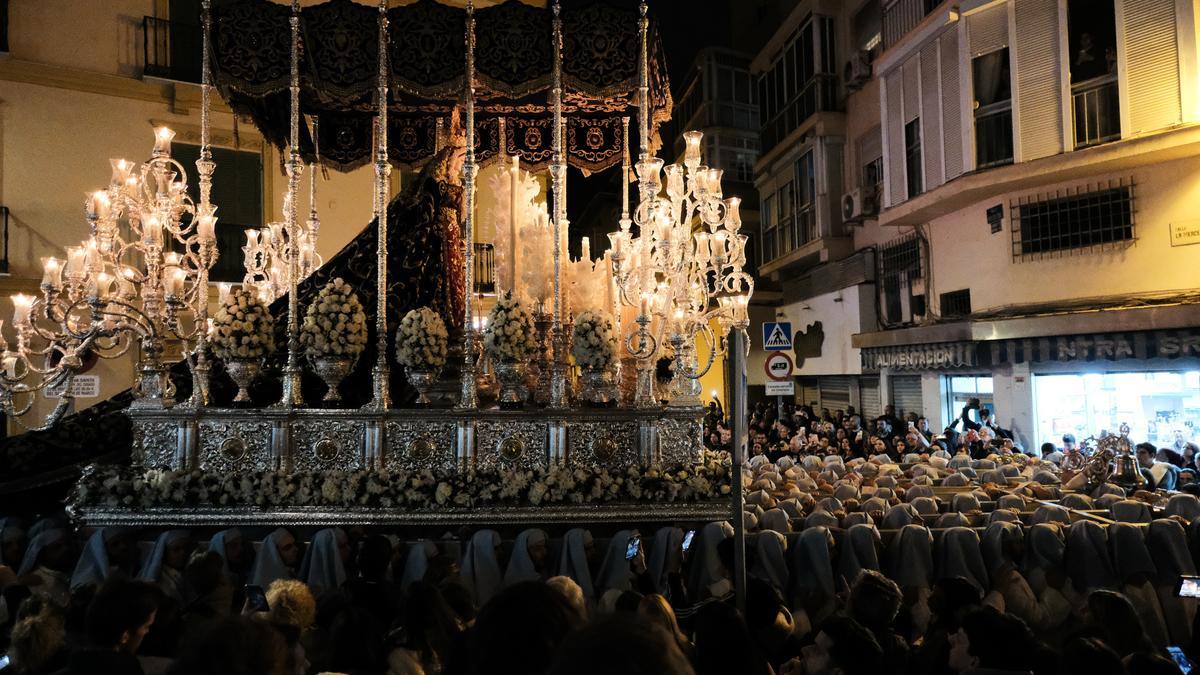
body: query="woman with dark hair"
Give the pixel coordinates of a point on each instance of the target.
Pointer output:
(428, 631)
(723, 643)
(620, 645)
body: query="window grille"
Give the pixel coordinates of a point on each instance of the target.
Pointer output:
(900, 264)
(956, 304)
(1085, 219)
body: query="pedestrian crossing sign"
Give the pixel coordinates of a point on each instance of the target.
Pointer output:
(777, 336)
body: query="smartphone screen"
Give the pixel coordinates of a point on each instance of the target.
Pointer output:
(256, 599)
(1181, 659)
(4, 660)
(631, 549)
(687, 539)
(1187, 587)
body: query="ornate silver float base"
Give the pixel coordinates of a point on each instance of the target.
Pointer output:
(323, 439)
(696, 512)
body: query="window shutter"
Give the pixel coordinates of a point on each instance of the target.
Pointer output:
(1152, 62)
(869, 146)
(906, 394)
(895, 140)
(931, 131)
(1036, 91)
(951, 105)
(912, 90)
(988, 30)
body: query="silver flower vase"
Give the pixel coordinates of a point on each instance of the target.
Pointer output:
(512, 384)
(332, 370)
(422, 381)
(243, 372)
(598, 387)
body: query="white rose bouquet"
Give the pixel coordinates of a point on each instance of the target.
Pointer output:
(510, 335)
(242, 327)
(335, 324)
(593, 345)
(422, 340)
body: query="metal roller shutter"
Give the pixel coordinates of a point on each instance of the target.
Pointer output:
(807, 392)
(906, 394)
(835, 392)
(868, 389)
(1152, 64)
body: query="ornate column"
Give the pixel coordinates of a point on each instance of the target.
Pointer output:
(291, 371)
(380, 398)
(204, 168)
(469, 399)
(558, 171)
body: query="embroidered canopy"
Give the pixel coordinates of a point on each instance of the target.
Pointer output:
(339, 67)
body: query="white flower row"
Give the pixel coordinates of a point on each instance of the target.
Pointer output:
(422, 341)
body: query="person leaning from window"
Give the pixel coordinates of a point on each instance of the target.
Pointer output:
(1162, 476)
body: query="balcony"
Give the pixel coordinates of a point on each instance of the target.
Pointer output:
(171, 50)
(994, 135)
(796, 243)
(818, 95)
(901, 16)
(1097, 110)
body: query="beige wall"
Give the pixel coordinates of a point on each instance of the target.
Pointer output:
(965, 253)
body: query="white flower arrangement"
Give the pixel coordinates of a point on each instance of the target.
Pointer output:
(335, 324)
(593, 345)
(242, 327)
(422, 341)
(510, 334)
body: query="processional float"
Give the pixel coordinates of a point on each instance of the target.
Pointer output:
(673, 276)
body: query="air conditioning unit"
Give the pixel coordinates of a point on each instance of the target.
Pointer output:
(859, 204)
(857, 70)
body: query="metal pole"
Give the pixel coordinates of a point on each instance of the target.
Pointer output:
(737, 414)
(380, 396)
(291, 371)
(469, 397)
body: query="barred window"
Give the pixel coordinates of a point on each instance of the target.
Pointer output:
(956, 304)
(1082, 220)
(900, 265)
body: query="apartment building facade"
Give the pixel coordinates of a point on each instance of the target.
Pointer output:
(1009, 169)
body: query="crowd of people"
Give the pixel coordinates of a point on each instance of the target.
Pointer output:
(796, 431)
(914, 558)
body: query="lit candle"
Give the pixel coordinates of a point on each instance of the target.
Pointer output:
(22, 305)
(10, 364)
(206, 227)
(99, 285)
(223, 292)
(98, 205)
(645, 308)
(691, 155)
(714, 182)
(702, 251)
(120, 171)
(152, 234)
(91, 254)
(173, 283)
(586, 250)
(251, 239)
(76, 262)
(162, 141)
(733, 213)
(126, 289)
(648, 172)
(513, 190)
(52, 276)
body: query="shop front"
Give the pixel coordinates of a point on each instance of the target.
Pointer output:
(1044, 387)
